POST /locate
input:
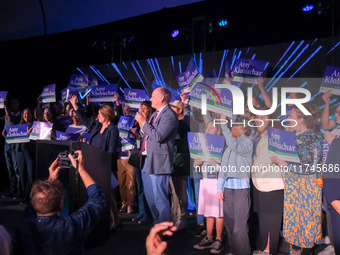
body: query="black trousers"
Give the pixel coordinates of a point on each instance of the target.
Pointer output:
(269, 207)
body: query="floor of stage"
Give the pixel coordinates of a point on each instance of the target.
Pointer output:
(129, 240)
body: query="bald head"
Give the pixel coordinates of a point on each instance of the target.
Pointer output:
(160, 97)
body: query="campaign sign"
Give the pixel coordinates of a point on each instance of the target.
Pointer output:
(246, 70)
(282, 144)
(125, 123)
(78, 82)
(134, 97)
(67, 93)
(3, 94)
(103, 93)
(75, 130)
(127, 144)
(48, 94)
(41, 131)
(331, 80)
(218, 100)
(61, 136)
(206, 146)
(193, 74)
(17, 134)
(183, 82)
(325, 150)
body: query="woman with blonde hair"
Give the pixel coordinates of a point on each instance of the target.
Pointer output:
(105, 136)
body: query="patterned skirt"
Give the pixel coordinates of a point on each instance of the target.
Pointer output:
(302, 210)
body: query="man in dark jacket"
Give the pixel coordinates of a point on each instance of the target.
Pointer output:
(43, 231)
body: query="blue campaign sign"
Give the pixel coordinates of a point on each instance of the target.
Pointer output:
(41, 131)
(134, 97)
(79, 82)
(127, 144)
(67, 93)
(103, 93)
(282, 144)
(218, 100)
(247, 70)
(61, 136)
(325, 150)
(48, 94)
(183, 82)
(331, 80)
(194, 75)
(206, 146)
(17, 134)
(125, 123)
(3, 94)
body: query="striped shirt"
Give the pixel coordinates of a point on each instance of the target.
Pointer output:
(237, 183)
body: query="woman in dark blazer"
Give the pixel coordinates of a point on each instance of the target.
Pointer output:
(105, 136)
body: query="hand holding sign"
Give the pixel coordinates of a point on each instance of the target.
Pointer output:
(73, 100)
(327, 97)
(278, 161)
(260, 83)
(184, 98)
(329, 137)
(198, 162)
(116, 96)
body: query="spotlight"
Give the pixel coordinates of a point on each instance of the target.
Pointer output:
(307, 7)
(127, 41)
(175, 33)
(222, 22)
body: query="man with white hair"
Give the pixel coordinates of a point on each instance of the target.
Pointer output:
(158, 150)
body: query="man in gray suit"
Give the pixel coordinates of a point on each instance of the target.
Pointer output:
(158, 150)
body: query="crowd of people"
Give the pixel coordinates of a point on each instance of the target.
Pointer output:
(288, 204)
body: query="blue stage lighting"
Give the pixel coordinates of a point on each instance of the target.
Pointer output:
(174, 33)
(307, 7)
(222, 22)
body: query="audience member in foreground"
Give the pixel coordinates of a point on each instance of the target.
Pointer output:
(43, 231)
(5, 242)
(155, 244)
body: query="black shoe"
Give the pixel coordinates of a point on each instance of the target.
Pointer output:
(217, 247)
(204, 244)
(200, 231)
(18, 196)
